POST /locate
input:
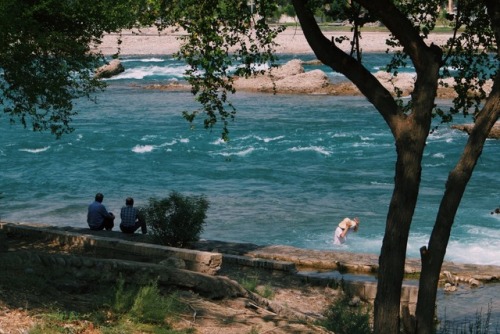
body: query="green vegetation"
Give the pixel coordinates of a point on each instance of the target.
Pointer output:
(176, 220)
(252, 285)
(266, 291)
(133, 309)
(344, 318)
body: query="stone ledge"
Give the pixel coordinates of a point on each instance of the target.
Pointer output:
(199, 261)
(241, 260)
(65, 268)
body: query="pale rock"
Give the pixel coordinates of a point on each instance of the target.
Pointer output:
(114, 67)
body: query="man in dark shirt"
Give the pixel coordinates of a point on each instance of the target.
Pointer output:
(131, 220)
(98, 217)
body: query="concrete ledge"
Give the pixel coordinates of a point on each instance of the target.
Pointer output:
(106, 247)
(259, 263)
(70, 271)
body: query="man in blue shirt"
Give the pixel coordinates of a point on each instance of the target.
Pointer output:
(98, 217)
(131, 220)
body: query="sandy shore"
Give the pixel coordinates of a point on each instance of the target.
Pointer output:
(292, 41)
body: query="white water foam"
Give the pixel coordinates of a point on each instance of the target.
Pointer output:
(241, 153)
(317, 149)
(140, 73)
(143, 60)
(143, 148)
(34, 150)
(267, 139)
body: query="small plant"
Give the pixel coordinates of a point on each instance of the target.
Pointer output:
(342, 318)
(250, 283)
(149, 306)
(124, 298)
(145, 304)
(266, 291)
(176, 220)
(254, 330)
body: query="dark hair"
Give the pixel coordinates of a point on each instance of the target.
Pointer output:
(129, 201)
(99, 197)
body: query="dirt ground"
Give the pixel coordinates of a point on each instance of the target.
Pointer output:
(22, 302)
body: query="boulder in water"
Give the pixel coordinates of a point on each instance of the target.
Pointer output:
(114, 67)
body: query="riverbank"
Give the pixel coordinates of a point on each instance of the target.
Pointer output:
(295, 300)
(149, 41)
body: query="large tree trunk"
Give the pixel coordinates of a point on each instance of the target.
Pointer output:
(432, 258)
(393, 253)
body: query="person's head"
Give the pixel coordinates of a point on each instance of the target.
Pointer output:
(356, 225)
(99, 197)
(129, 201)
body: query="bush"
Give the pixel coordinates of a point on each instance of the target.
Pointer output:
(176, 220)
(344, 318)
(145, 303)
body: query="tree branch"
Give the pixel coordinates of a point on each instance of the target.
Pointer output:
(331, 55)
(401, 27)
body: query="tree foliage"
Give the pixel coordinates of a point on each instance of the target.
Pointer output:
(223, 38)
(45, 57)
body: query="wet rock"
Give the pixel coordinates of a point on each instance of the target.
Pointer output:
(114, 67)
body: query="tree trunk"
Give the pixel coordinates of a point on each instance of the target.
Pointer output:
(432, 258)
(458, 178)
(393, 252)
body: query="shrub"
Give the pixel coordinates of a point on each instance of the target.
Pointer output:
(145, 303)
(342, 318)
(177, 219)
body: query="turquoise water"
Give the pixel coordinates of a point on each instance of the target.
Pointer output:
(294, 167)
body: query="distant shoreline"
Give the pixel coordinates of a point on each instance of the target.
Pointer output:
(291, 41)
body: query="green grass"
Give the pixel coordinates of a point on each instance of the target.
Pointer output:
(342, 318)
(441, 28)
(132, 309)
(252, 285)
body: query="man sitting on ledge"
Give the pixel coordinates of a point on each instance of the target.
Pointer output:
(131, 220)
(98, 217)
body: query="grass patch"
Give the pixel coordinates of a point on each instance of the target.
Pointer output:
(344, 318)
(266, 291)
(250, 283)
(131, 309)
